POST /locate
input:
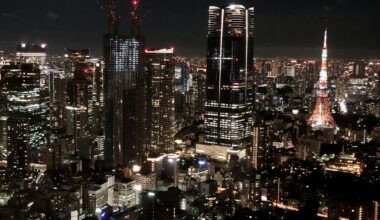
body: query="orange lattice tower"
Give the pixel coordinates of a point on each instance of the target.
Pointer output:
(321, 116)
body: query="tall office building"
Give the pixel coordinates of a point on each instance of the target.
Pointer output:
(24, 99)
(199, 91)
(27, 113)
(260, 154)
(123, 94)
(57, 114)
(3, 136)
(79, 102)
(57, 98)
(229, 104)
(98, 110)
(98, 96)
(160, 109)
(182, 96)
(3, 116)
(258, 146)
(18, 146)
(181, 79)
(84, 109)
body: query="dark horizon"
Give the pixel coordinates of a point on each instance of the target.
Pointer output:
(292, 28)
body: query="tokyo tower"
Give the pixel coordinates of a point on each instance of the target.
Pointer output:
(321, 116)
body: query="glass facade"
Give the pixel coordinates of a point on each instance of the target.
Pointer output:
(229, 86)
(27, 116)
(24, 99)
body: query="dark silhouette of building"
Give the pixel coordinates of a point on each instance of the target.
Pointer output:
(18, 146)
(123, 94)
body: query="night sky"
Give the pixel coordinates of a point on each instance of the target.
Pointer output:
(283, 27)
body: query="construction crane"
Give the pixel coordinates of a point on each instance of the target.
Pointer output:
(113, 18)
(133, 17)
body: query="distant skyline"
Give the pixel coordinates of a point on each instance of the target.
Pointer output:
(291, 28)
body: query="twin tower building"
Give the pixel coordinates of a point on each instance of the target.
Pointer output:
(131, 122)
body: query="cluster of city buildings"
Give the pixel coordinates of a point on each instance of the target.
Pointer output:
(144, 134)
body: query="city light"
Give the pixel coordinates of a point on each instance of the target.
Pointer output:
(186, 110)
(201, 162)
(138, 187)
(136, 168)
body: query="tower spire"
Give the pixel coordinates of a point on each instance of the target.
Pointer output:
(323, 73)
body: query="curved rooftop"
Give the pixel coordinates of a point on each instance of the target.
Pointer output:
(231, 6)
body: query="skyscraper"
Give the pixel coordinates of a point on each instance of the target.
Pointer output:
(80, 102)
(3, 115)
(258, 145)
(229, 104)
(18, 146)
(24, 100)
(182, 96)
(321, 116)
(160, 66)
(199, 91)
(27, 113)
(57, 98)
(123, 93)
